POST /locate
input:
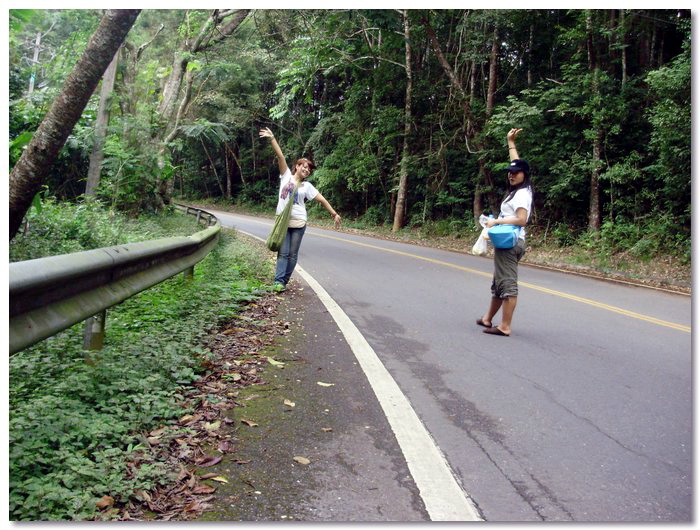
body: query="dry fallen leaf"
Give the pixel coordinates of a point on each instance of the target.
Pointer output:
(249, 423)
(220, 479)
(189, 419)
(193, 506)
(289, 403)
(302, 460)
(212, 426)
(208, 476)
(158, 432)
(321, 383)
(203, 489)
(326, 429)
(105, 502)
(209, 461)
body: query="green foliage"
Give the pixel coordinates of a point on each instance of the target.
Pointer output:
(671, 133)
(17, 145)
(61, 228)
(76, 420)
(331, 85)
(131, 176)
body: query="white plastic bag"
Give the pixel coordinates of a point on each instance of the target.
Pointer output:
(481, 246)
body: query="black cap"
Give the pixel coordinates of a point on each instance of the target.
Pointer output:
(519, 165)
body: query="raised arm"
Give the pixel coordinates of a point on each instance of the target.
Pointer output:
(336, 218)
(281, 162)
(512, 150)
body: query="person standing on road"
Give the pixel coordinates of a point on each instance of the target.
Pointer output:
(288, 253)
(515, 210)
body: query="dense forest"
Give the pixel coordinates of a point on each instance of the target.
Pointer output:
(405, 113)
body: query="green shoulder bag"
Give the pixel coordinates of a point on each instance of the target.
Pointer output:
(279, 229)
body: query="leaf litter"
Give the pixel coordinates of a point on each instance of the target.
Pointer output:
(203, 435)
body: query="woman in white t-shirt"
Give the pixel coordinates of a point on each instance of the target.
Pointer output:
(288, 253)
(515, 210)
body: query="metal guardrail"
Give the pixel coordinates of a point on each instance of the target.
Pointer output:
(48, 295)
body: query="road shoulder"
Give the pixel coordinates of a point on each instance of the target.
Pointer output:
(315, 445)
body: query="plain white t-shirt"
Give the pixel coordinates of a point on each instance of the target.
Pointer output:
(305, 192)
(521, 199)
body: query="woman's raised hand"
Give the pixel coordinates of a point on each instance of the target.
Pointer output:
(513, 133)
(266, 133)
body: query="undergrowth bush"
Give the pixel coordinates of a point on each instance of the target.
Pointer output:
(76, 418)
(642, 240)
(62, 228)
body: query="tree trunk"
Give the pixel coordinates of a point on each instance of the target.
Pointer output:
(227, 166)
(400, 213)
(472, 131)
(209, 35)
(31, 169)
(238, 164)
(35, 61)
(594, 208)
(623, 39)
(594, 201)
(166, 109)
(529, 55)
(493, 72)
(93, 178)
(130, 60)
(477, 204)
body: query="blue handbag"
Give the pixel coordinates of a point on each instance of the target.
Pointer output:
(504, 236)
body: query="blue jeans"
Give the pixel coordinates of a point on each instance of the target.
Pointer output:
(287, 255)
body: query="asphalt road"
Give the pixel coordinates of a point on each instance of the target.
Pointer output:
(583, 414)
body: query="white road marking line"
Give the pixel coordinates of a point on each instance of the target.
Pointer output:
(444, 498)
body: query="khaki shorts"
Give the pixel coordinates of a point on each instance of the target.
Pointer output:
(505, 273)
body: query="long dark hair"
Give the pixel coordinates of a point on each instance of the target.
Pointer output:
(526, 183)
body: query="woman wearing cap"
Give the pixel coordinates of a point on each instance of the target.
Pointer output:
(287, 255)
(515, 210)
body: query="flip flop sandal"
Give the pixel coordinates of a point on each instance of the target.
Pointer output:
(480, 322)
(496, 331)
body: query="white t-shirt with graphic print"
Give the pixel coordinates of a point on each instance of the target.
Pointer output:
(305, 192)
(521, 199)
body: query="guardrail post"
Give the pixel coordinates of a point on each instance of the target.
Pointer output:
(94, 335)
(189, 273)
(199, 214)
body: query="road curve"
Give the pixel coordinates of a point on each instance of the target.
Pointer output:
(583, 414)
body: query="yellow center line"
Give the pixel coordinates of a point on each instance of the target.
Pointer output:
(588, 301)
(600, 305)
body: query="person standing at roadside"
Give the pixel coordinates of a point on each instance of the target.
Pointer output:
(515, 210)
(288, 253)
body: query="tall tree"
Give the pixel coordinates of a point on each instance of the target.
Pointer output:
(93, 178)
(28, 174)
(213, 31)
(400, 213)
(594, 213)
